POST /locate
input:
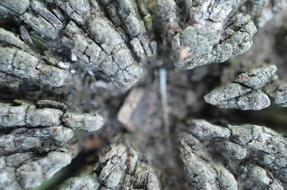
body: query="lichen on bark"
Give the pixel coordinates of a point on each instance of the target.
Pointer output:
(232, 156)
(145, 66)
(250, 90)
(36, 141)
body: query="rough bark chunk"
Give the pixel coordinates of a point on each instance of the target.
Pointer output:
(119, 167)
(21, 63)
(232, 157)
(251, 90)
(114, 39)
(203, 32)
(32, 141)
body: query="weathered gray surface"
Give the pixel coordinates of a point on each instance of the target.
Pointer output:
(87, 182)
(20, 63)
(202, 32)
(232, 157)
(31, 141)
(113, 39)
(120, 167)
(212, 31)
(28, 170)
(278, 92)
(93, 42)
(81, 47)
(251, 90)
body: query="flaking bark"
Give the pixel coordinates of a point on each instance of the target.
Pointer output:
(232, 156)
(119, 167)
(91, 45)
(35, 139)
(250, 90)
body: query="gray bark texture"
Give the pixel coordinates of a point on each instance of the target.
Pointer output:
(103, 94)
(232, 156)
(120, 167)
(251, 90)
(34, 141)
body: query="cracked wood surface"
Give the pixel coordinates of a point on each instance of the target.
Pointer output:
(84, 46)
